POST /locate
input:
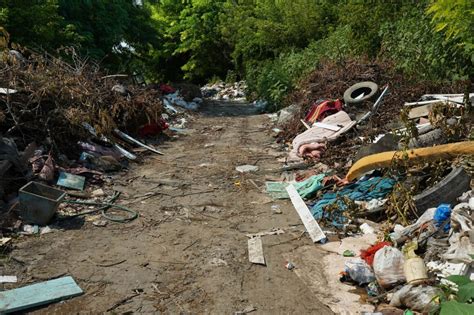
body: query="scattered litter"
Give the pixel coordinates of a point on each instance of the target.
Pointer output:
(38, 202)
(276, 209)
(98, 193)
(417, 298)
(45, 230)
(248, 309)
(255, 248)
(246, 168)
(7, 91)
(218, 262)
(71, 181)
(388, 267)
(359, 271)
(289, 265)
(39, 294)
(5, 240)
(8, 279)
(414, 267)
(135, 141)
(100, 223)
(314, 231)
(366, 229)
(276, 231)
(348, 253)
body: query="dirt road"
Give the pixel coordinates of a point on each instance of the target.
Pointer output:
(187, 252)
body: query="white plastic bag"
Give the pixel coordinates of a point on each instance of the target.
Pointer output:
(417, 298)
(388, 266)
(460, 250)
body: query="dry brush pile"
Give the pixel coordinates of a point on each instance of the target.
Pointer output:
(54, 98)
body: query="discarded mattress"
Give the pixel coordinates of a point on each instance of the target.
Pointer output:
(318, 134)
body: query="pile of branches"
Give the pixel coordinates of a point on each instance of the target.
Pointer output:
(54, 98)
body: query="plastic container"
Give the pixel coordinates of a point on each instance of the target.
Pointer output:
(38, 202)
(415, 270)
(414, 267)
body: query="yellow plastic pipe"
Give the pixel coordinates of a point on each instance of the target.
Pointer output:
(385, 159)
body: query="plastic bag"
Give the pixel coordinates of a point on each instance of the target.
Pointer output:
(388, 266)
(460, 250)
(417, 298)
(359, 271)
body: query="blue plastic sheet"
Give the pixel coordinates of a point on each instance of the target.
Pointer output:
(363, 190)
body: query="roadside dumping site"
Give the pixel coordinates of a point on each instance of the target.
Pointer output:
(121, 197)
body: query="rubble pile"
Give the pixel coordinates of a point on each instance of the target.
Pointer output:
(390, 164)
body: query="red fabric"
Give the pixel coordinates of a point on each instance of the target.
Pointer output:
(153, 129)
(369, 253)
(167, 89)
(322, 109)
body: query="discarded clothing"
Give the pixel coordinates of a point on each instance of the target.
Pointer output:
(153, 129)
(306, 189)
(322, 109)
(375, 187)
(319, 134)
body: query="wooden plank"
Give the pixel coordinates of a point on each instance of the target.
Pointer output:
(313, 228)
(255, 247)
(420, 111)
(38, 294)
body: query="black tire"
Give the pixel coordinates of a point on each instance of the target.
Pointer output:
(369, 89)
(446, 191)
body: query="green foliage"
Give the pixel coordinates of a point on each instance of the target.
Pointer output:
(270, 43)
(35, 23)
(455, 18)
(274, 79)
(453, 307)
(192, 36)
(418, 50)
(459, 280)
(466, 292)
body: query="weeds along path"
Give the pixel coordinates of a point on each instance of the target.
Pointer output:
(187, 252)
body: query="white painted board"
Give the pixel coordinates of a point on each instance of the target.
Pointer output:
(255, 248)
(313, 228)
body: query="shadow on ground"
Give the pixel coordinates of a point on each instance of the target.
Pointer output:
(228, 109)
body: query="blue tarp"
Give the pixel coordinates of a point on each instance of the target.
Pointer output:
(364, 190)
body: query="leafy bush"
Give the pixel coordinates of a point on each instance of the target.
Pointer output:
(418, 50)
(274, 79)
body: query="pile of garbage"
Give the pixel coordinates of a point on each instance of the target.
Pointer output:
(65, 126)
(403, 177)
(225, 91)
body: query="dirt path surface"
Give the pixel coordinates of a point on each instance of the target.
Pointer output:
(187, 252)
